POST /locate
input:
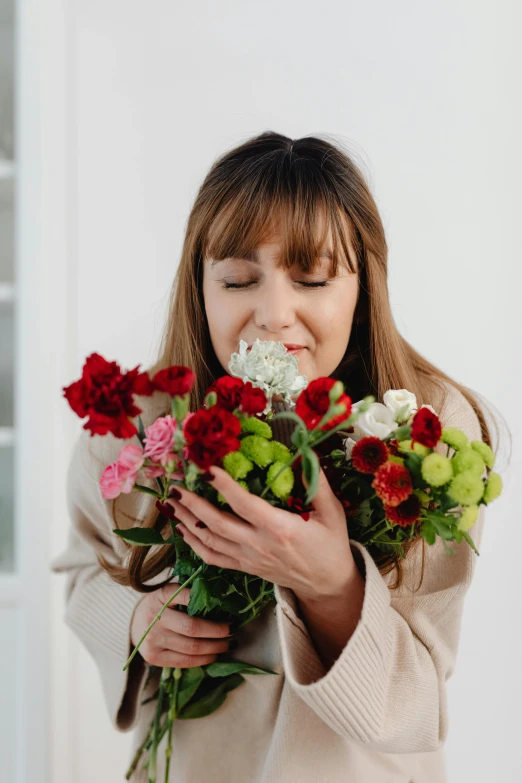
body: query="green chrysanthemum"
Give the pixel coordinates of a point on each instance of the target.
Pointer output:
(284, 483)
(454, 438)
(257, 427)
(485, 452)
(258, 449)
(436, 469)
(493, 487)
(418, 448)
(237, 465)
(468, 518)
(467, 488)
(467, 459)
(280, 452)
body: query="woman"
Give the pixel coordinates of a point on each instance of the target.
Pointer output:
(284, 242)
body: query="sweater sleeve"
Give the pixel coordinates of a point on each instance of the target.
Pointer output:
(387, 689)
(99, 610)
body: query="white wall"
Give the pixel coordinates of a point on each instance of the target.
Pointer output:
(427, 95)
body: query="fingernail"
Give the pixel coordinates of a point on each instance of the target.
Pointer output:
(174, 493)
(207, 476)
(200, 524)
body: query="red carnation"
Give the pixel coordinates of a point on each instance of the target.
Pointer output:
(232, 393)
(406, 513)
(426, 428)
(392, 483)
(106, 395)
(210, 435)
(228, 392)
(253, 400)
(175, 381)
(314, 401)
(368, 454)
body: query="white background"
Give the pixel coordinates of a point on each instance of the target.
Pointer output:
(138, 100)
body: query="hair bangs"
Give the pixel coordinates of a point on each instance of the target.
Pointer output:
(297, 210)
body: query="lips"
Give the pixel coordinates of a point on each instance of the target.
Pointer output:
(293, 346)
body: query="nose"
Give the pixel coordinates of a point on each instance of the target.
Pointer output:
(275, 307)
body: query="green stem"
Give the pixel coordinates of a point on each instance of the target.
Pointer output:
(151, 767)
(138, 755)
(155, 620)
(380, 523)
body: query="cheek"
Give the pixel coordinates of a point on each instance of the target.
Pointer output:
(224, 322)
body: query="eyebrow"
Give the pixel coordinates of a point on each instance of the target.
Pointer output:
(253, 256)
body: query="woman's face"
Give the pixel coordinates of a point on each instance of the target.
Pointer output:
(313, 310)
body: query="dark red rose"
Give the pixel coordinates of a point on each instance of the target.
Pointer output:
(426, 428)
(211, 434)
(368, 454)
(176, 381)
(314, 401)
(106, 396)
(232, 393)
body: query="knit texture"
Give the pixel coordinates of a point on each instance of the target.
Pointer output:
(378, 714)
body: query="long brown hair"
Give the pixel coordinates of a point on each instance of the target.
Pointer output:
(273, 177)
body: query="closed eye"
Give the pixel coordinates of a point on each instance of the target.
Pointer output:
(321, 284)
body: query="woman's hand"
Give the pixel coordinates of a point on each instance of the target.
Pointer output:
(313, 557)
(176, 639)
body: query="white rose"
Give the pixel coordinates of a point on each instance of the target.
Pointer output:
(377, 421)
(395, 399)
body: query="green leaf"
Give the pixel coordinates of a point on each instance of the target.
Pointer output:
(141, 536)
(224, 668)
(311, 468)
(201, 599)
(147, 490)
(189, 683)
(212, 700)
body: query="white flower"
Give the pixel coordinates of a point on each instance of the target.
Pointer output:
(377, 421)
(268, 366)
(348, 444)
(395, 399)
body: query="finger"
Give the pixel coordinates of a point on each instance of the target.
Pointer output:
(209, 556)
(207, 536)
(192, 645)
(187, 625)
(246, 505)
(222, 523)
(167, 591)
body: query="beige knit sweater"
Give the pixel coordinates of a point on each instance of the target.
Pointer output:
(379, 715)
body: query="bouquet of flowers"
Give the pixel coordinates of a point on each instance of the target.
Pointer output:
(391, 482)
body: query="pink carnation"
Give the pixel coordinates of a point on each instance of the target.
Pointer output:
(121, 475)
(114, 480)
(159, 440)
